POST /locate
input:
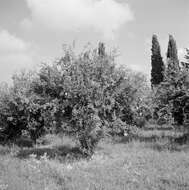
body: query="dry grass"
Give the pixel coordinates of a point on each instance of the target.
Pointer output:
(114, 166)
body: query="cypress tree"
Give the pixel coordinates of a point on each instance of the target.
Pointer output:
(156, 62)
(172, 54)
(101, 49)
(172, 49)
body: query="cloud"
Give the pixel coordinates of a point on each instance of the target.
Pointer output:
(104, 16)
(26, 24)
(15, 54)
(11, 44)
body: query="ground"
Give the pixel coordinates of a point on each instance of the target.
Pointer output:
(150, 161)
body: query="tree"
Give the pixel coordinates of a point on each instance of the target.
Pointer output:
(88, 93)
(21, 110)
(78, 95)
(172, 95)
(172, 54)
(101, 49)
(156, 62)
(171, 87)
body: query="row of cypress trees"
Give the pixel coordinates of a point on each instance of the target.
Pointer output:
(158, 66)
(170, 84)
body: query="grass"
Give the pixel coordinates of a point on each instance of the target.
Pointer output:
(134, 165)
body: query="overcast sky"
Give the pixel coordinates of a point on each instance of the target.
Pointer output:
(33, 31)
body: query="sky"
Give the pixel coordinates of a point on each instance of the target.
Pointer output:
(34, 31)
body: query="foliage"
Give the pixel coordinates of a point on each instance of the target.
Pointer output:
(90, 93)
(172, 53)
(118, 127)
(83, 96)
(172, 94)
(21, 111)
(156, 62)
(79, 95)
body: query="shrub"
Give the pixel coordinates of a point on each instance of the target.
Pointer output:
(87, 127)
(81, 89)
(21, 111)
(140, 122)
(24, 142)
(161, 121)
(118, 127)
(76, 95)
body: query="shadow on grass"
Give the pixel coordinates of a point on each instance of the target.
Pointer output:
(157, 128)
(172, 147)
(179, 143)
(152, 138)
(160, 143)
(58, 152)
(4, 150)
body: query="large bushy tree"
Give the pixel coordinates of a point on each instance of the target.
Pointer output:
(156, 62)
(84, 96)
(88, 92)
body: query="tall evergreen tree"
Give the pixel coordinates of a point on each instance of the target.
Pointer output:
(172, 54)
(172, 90)
(156, 62)
(172, 48)
(101, 49)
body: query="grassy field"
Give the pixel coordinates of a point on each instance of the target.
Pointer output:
(149, 162)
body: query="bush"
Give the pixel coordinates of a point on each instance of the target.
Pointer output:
(87, 128)
(140, 122)
(24, 142)
(83, 88)
(76, 95)
(21, 111)
(118, 127)
(161, 121)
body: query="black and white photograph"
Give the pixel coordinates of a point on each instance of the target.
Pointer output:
(94, 94)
